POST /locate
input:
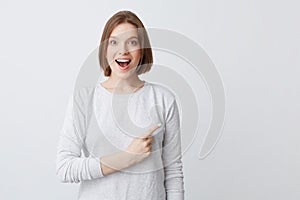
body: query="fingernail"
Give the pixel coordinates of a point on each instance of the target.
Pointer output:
(159, 124)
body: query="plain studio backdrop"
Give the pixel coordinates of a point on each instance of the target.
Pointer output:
(254, 44)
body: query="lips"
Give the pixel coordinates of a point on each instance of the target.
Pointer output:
(123, 63)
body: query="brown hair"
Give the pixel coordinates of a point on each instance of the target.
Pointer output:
(120, 17)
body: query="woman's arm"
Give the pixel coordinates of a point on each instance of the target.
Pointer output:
(171, 155)
(71, 167)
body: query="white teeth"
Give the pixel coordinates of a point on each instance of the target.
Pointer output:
(121, 60)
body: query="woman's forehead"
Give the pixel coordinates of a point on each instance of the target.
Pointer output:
(124, 30)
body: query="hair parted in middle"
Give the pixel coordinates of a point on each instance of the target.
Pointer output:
(120, 17)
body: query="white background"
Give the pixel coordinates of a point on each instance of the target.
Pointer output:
(254, 44)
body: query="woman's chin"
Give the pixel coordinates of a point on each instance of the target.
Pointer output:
(124, 73)
(124, 70)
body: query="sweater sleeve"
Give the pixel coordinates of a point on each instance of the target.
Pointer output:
(171, 155)
(70, 165)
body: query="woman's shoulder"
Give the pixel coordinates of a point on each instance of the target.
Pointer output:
(84, 90)
(162, 90)
(83, 94)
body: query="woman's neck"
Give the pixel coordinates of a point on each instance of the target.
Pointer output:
(123, 85)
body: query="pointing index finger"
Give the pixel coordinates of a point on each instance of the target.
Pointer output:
(152, 130)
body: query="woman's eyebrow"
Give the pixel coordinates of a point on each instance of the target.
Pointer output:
(133, 37)
(115, 37)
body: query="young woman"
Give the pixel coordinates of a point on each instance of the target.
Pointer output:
(122, 160)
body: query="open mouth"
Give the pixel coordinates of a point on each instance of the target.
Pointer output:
(123, 63)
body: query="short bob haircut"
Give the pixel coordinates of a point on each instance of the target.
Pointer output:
(120, 17)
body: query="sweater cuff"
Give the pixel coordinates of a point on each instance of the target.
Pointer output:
(95, 168)
(175, 195)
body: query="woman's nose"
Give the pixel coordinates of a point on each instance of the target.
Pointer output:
(123, 49)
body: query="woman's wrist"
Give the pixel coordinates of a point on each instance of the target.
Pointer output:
(116, 162)
(129, 158)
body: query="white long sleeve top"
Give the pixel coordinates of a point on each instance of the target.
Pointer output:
(99, 122)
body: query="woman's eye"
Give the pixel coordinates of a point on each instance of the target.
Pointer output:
(112, 42)
(133, 42)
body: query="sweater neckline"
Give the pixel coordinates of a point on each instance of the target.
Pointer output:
(125, 94)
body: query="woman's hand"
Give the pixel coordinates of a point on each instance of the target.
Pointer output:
(140, 148)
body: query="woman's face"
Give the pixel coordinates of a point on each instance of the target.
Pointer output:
(123, 50)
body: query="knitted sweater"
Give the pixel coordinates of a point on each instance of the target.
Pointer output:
(99, 122)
